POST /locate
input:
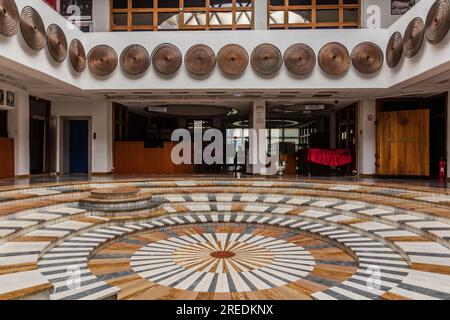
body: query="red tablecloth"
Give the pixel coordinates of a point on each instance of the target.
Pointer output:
(331, 158)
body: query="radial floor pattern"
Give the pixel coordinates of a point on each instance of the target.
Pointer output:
(207, 238)
(219, 261)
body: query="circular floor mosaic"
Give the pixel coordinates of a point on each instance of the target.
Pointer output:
(217, 261)
(222, 262)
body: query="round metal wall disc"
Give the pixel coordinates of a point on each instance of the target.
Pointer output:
(266, 59)
(232, 60)
(9, 18)
(394, 50)
(77, 55)
(299, 59)
(56, 43)
(200, 60)
(367, 58)
(167, 59)
(33, 29)
(334, 58)
(102, 60)
(438, 21)
(135, 60)
(413, 38)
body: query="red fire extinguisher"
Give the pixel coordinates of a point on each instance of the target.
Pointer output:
(442, 165)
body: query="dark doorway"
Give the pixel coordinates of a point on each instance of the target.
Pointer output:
(39, 136)
(78, 146)
(3, 124)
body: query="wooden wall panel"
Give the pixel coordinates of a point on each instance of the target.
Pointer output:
(6, 158)
(134, 158)
(403, 143)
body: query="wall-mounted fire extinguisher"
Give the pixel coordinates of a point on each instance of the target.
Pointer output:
(442, 165)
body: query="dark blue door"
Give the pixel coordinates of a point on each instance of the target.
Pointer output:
(78, 146)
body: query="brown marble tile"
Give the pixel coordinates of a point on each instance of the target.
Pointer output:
(431, 268)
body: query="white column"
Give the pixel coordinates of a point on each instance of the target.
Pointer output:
(258, 122)
(260, 12)
(367, 137)
(18, 129)
(101, 15)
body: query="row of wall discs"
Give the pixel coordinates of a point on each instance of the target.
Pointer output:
(435, 29)
(200, 60)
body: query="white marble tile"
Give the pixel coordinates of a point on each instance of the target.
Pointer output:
(396, 233)
(435, 199)
(22, 247)
(323, 203)
(298, 201)
(349, 206)
(41, 192)
(175, 198)
(21, 280)
(375, 211)
(433, 281)
(411, 294)
(169, 209)
(47, 233)
(428, 224)
(224, 197)
(41, 216)
(402, 217)
(344, 187)
(71, 224)
(67, 210)
(16, 223)
(249, 198)
(199, 207)
(256, 208)
(339, 217)
(441, 233)
(281, 210)
(370, 226)
(5, 232)
(186, 183)
(199, 198)
(315, 213)
(273, 199)
(263, 184)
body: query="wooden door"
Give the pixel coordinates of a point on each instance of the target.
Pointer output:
(403, 143)
(6, 158)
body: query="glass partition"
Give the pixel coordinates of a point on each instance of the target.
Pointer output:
(313, 14)
(154, 15)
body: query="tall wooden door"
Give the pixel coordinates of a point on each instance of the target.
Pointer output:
(403, 143)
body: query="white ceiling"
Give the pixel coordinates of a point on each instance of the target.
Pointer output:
(427, 84)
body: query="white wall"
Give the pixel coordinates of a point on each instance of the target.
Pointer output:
(15, 54)
(101, 120)
(387, 19)
(367, 137)
(18, 129)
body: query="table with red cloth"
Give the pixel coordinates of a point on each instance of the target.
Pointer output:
(330, 158)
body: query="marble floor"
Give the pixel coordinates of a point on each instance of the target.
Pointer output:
(217, 237)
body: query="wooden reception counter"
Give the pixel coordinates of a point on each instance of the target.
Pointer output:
(133, 158)
(6, 158)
